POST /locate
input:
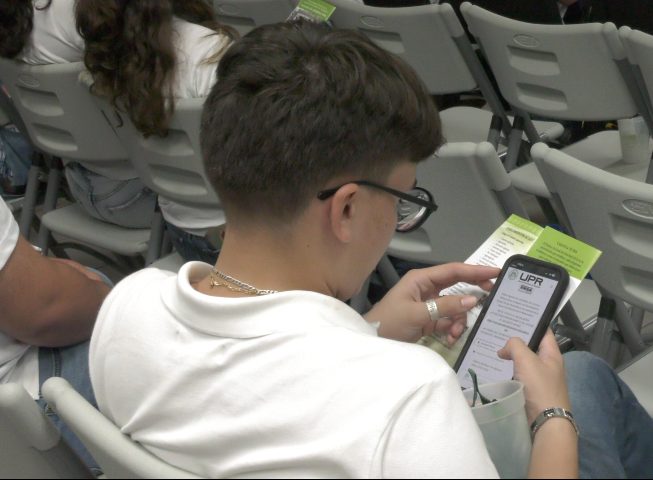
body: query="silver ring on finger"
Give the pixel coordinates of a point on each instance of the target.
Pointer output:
(434, 313)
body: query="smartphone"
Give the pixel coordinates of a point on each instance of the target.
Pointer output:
(521, 304)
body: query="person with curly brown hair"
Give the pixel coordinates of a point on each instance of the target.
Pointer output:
(42, 32)
(142, 55)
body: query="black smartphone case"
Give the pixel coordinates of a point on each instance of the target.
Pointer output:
(547, 315)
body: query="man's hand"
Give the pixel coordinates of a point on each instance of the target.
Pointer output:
(403, 315)
(543, 374)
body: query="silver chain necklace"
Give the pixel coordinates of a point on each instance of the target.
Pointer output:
(236, 285)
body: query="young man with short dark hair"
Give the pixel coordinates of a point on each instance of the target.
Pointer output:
(257, 367)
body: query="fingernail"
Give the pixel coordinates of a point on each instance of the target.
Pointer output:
(468, 301)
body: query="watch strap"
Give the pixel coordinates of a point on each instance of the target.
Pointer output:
(553, 412)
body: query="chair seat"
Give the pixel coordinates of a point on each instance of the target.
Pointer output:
(74, 222)
(469, 124)
(637, 376)
(601, 150)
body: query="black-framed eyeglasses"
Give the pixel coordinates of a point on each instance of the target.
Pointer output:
(413, 208)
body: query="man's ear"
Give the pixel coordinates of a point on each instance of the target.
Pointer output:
(342, 214)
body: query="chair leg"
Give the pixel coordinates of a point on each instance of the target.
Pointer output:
(613, 313)
(603, 336)
(514, 144)
(50, 202)
(629, 331)
(31, 194)
(494, 135)
(573, 328)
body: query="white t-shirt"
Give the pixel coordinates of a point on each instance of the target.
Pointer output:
(18, 361)
(294, 384)
(195, 77)
(54, 36)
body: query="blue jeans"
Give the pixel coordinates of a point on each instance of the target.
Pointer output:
(127, 203)
(616, 433)
(70, 363)
(192, 247)
(15, 161)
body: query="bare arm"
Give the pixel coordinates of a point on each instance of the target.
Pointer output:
(45, 302)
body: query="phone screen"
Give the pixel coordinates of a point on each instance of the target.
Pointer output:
(516, 308)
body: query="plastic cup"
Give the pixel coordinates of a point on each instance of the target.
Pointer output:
(504, 426)
(635, 140)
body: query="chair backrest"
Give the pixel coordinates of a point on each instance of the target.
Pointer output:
(31, 446)
(429, 38)
(639, 48)
(422, 36)
(612, 213)
(574, 72)
(61, 118)
(117, 455)
(474, 196)
(245, 15)
(171, 166)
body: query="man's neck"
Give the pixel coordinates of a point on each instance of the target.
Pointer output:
(268, 261)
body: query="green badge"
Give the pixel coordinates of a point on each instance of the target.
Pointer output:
(316, 10)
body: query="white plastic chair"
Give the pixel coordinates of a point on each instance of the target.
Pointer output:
(639, 48)
(117, 455)
(431, 39)
(31, 446)
(171, 166)
(615, 215)
(63, 121)
(570, 72)
(245, 15)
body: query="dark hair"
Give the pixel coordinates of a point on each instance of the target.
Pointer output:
(129, 51)
(298, 104)
(16, 23)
